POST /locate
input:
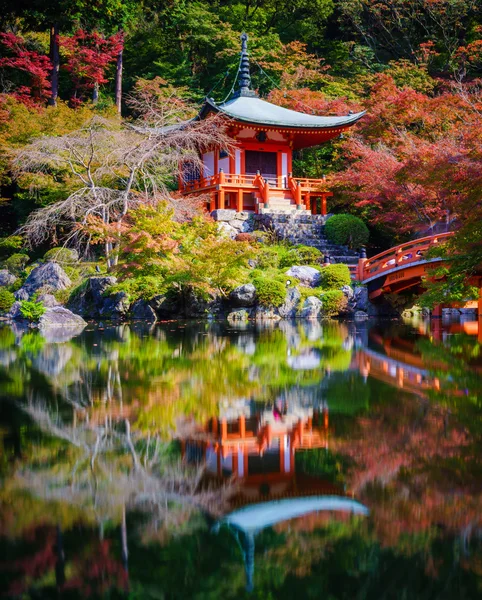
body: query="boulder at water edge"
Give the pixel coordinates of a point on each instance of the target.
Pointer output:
(243, 295)
(6, 278)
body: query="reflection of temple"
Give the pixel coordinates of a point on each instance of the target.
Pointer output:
(258, 449)
(257, 446)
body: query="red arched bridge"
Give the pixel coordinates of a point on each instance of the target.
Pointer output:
(403, 267)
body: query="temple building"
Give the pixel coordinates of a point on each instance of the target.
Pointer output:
(257, 175)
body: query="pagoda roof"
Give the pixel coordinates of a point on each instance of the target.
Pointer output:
(253, 110)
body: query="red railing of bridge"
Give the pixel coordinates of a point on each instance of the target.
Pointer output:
(399, 256)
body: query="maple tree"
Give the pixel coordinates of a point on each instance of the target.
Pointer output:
(88, 56)
(36, 67)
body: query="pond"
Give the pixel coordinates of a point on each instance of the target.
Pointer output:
(199, 460)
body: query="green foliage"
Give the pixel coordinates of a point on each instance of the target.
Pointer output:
(347, 230)
(16, 263)
(32, 310)
(333, 302)
(140, 287)
(9, 245)
(269, 292)
(301, 255)
(61, 255)
(334, 277)
(6, 300)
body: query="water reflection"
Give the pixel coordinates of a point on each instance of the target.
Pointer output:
(140, 438)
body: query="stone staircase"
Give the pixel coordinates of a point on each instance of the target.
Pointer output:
(281, 202)
(301, 227)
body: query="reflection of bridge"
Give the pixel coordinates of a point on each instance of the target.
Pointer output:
(401, 366)
(403, 267)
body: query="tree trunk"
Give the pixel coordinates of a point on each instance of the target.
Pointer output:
(55, 58)
(95, 93)
(118, 78)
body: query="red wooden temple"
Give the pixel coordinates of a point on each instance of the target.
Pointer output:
(258, 175)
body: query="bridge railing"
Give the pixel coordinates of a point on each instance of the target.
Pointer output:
(399, 256)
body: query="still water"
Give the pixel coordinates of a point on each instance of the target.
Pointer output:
(195, 460)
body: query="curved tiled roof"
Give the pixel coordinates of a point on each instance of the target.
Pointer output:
(250, 109)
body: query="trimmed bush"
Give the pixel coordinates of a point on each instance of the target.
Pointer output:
(270, 292)
(32, 310)
(6, 300)
(301, 255)
(62, 255)
(347, 230)
(333, 302)
(16, 263)
(334, 277)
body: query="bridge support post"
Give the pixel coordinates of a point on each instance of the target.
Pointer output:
(437, 311)
(362, 259)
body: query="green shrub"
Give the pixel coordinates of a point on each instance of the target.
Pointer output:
(270, 292)
(32, 310)
(334, 277)
(333, 302)
(17, 263)
(268, 257)
(62, 255)
(6, 300)
(10, 245)
(347, 230)
(301, 255)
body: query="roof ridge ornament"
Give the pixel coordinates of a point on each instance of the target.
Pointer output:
(244, 82)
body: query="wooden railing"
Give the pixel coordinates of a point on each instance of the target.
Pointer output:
(399, 256)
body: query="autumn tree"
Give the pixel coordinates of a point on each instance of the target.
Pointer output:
(112, 167)
(88, 57)
(33, 86)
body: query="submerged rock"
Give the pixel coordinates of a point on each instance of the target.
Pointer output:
(58, 324)
(239, 316)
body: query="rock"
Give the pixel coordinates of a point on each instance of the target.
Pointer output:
(14, 312)
(266, 313)
(289, 308)
(21, 294)
(308, 276)
(115, 306)
(361, 298)
(198, 306)
(426, 312)
(48, 300)
(252, 263)
(142, 311)
(360, 315)
(311, 308)
(348, 292)
(49, 275)
(99, 285)
(239, 316)
(242, 226)
(6, 278)
(243, 295)
(91, 301)
(223, 214)
(227, 230)
(165, 306)
(59, 317)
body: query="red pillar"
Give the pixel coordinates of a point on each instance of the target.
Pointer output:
(239, 203)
